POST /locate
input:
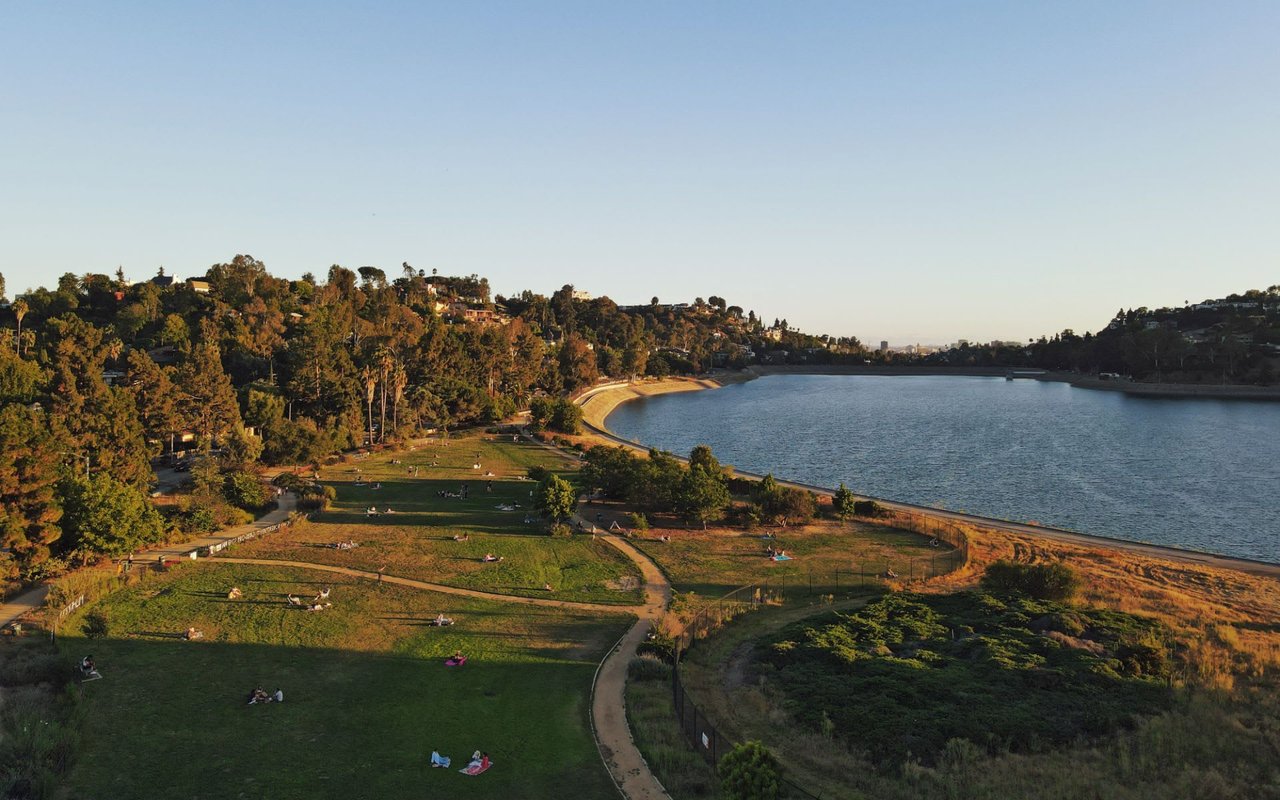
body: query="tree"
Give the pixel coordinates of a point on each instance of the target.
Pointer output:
(783, 505)
(100, 420)
(842, 502)
(208, 402)
(566, 417)
(555, 498)
(20, 379)
(656, 483)
(577, 362)
(29, 472)
(20, 309)
(749, 772)
(1039, 581)
(702, 497)
(102, 516)
(156, 397)
(609, 469)
(701, 456)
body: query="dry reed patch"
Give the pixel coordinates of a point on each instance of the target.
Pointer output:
(1227, 619)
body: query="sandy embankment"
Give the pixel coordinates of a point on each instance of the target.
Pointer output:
(600, 404)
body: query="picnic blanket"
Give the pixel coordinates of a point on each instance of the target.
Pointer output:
(474, 768)
(781, 558)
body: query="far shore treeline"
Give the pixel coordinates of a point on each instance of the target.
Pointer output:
(100, 376)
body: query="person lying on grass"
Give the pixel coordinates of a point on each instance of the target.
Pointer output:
(88, 669)
(438, 760)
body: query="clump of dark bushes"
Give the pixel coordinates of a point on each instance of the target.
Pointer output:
(1038, 581)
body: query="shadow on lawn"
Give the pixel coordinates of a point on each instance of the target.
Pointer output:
(166, 703)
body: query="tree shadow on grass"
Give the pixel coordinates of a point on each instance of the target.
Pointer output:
(184, 707)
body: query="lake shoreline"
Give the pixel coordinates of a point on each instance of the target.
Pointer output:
(600, 402)
(1204, 391)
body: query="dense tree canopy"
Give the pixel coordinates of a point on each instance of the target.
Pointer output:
(102, 375)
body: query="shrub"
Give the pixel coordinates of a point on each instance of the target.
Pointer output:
(200, 519)
(537, 473)
(867, 508)
(1039, 581)
(95, 625)
(243, 489)
(749, 772)
(639, 522)
(560, 531)
(314, 497)
(647, 668)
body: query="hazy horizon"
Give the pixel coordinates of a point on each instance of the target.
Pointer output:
(916, 172)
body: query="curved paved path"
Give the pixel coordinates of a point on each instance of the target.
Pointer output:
(608, 708)
(437, 587)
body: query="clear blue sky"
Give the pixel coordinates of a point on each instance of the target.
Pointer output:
(905, 171)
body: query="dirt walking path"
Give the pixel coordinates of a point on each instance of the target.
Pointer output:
(436, 587)
(627, 767)
(608, 707)
(32, 599)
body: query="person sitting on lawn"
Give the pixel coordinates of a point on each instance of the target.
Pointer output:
(88, 668)
(278, 696)
(438, 760)
(442, 621)
(192, 634)
(259, 695)
(235, 593)
(293, 600)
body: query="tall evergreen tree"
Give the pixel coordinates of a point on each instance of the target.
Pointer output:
(208, 403)
(29, 472)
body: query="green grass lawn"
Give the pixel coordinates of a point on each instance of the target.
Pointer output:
(716, 561)
(367, 693)
(416, 540)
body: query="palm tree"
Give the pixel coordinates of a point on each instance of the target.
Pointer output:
(20, 309)
(370, 379)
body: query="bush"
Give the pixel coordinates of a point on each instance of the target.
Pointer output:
(867, 508)
(243, 489)
(749, 772)
(1039, 581)
(537, 473)
(639, 522)
(200, 519)
(560, 531)
(314, 497)
(662, 649)
(95, 625)
(647, 668)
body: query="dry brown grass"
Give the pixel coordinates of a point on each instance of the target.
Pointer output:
(1229, 621)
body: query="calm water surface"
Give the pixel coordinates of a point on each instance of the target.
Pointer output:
(1203, 474)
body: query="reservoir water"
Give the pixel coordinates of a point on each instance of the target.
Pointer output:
(1200, 474)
